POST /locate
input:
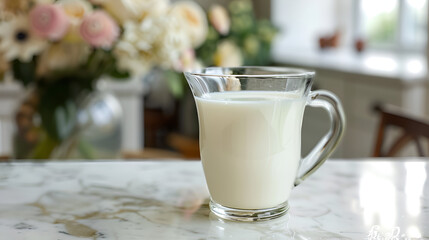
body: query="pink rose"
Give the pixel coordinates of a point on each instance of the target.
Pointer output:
(49, 21)
(99, 29)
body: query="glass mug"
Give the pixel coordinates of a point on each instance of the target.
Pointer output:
(250, 122)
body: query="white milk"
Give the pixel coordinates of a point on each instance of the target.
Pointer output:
(250, 146)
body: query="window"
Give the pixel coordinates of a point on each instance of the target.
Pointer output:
(393, 24)
(379, 21)
(415, 18)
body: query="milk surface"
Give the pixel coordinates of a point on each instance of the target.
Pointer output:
(250, 143)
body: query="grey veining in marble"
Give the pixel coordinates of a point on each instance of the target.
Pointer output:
(168, 200)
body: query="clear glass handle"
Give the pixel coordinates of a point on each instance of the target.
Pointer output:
(329, 142)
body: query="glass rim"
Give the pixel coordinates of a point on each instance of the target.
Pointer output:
(277, 72)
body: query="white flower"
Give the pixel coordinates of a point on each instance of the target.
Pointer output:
(136, 10)
(154, 41)
(228, 55)
(173, 41)
(62, 55)
(133, 50)
(192, 19)
(18, 42)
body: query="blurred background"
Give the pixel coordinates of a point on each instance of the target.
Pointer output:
(102, 79)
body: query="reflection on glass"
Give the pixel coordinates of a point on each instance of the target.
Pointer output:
(414, 183)
(378, 197)
(191, 200)
(413, 232)
(273, 229)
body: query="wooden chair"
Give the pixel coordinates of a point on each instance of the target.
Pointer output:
(412, 130)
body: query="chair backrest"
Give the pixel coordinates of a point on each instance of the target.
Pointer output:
(413, 131)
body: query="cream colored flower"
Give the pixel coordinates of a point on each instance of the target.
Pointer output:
(219, 18)
(228, 55)
(136, 10)
(233, 84)
(75, 10)
(72, 35)
(154, 41)
(192, 19)
(62, 55)
(18, 42)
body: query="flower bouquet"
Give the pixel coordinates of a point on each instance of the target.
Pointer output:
(235, 37)
(60, 49)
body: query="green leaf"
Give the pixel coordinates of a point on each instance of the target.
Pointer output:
(118, 74)
(175, 83)
(65, 119)
(44, 148)
(86, 150)
(58, 107)
(24, 71)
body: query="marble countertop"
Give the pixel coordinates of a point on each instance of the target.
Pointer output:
(168, 200)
